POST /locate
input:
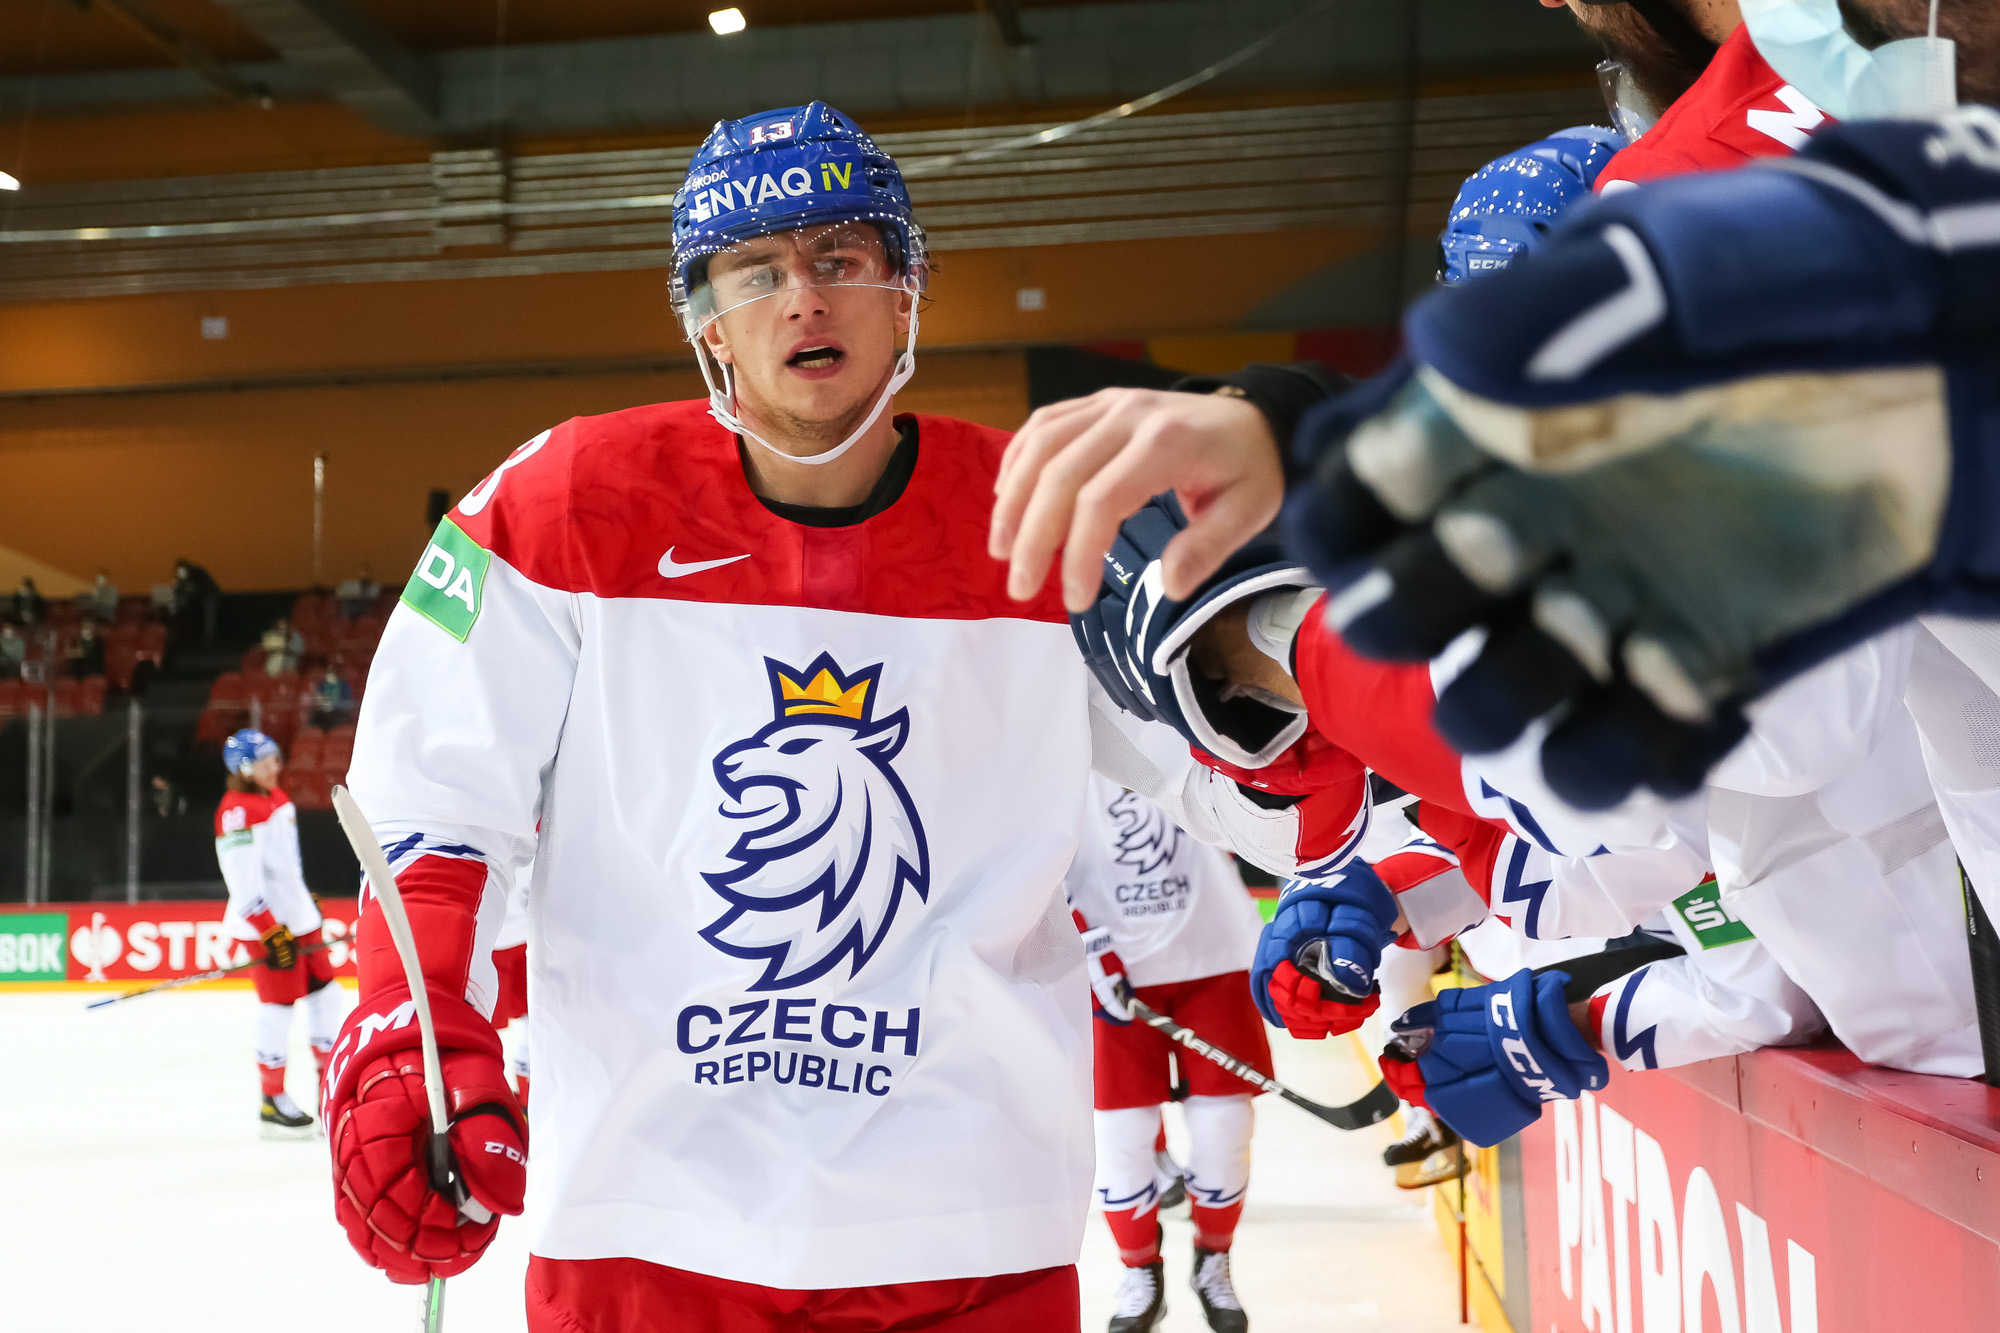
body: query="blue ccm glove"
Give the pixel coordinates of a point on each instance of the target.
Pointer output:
(1314, 972)
(1489, 1056)
(1136, 641)
(1711, 433)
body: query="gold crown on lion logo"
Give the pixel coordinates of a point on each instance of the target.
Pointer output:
(823, 694)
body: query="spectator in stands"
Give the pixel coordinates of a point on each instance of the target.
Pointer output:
(29, 606)
(168, 799)
(197, 599)
(283, 647)
(330, 702)
(13, 652)
(85, 655)
(357, 595)
(101, 598)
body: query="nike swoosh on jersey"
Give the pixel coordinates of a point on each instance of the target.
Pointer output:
(670, 569)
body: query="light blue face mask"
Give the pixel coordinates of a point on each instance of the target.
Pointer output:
(1811, 49)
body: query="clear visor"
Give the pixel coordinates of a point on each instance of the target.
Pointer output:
(831, 260)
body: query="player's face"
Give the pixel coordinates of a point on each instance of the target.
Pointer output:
(265, 771)
(809, 325)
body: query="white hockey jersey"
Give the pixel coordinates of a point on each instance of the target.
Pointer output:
(1827, 842)
(809, 1006)
(1177, 909)
(257, 846)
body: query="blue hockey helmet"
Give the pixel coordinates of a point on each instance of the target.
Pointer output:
(1507, 206)
(245, 748)
(782, 170)
(806, 173)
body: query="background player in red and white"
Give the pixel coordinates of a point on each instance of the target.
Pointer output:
(801, 782)
(257, 846)
(1170, 917)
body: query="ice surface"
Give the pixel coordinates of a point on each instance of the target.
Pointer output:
(136, 1196)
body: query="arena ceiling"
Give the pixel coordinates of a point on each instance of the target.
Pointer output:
(451, 72)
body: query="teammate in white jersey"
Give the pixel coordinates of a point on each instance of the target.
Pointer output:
(1170, 919)
(257, 846)
(801, 783)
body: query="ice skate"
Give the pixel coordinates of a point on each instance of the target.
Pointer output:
(1428, 1153)
(1210, 1281)
(1142, 1300)
(282, 1118)
(1425, 1135)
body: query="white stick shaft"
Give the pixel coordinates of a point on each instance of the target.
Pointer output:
(383, 880)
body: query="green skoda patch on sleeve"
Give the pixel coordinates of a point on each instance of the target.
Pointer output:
(1712, 923)
(449, 581)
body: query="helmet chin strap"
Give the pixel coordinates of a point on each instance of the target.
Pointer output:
(722, 398)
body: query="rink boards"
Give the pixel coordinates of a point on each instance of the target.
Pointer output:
(90, 945)
(1780, 1192)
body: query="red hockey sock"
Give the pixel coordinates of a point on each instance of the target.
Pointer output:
(1137, 1234)
(1160, 1139)
(272, 1077)
(1215, 1228)
(320, 1057)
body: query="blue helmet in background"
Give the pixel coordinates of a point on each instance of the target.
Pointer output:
(245, 748)
(780, 170)
(1507, 206)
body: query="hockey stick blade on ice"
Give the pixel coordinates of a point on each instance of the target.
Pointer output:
(1378, 1105)
(209, 975)
(442, 1166)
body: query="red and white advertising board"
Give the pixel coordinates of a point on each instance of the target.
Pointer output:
(1781, 1192)
(121, 944)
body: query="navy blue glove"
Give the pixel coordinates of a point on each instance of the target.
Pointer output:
(1135, 641)
(1314, 972)
(1713, 432)
(1490, 1055)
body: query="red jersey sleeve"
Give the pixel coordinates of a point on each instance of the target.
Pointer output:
(1379, 712)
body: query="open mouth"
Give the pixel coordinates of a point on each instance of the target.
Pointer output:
(816, 358)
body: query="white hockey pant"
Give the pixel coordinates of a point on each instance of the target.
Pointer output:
(1218, 1164)
(325, 1008)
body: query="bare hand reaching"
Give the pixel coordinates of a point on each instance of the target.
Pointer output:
(1078, 469)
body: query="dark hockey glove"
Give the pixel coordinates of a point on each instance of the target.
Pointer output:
(398, 1214)
(1717, 431)
(281, 948)
(1314, 971)
(1485, 1058)
(1136, 641)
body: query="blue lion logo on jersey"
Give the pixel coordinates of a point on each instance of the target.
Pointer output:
(830, 840)
(1147, 839)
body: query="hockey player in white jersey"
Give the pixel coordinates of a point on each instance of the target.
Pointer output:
(1169, 918)
(806, 782)
(257, 846)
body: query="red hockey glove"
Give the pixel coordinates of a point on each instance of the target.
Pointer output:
(1403, 1076)
(378, 1126)
(1296, 997)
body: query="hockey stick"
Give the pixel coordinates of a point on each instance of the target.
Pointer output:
(1376, 1106)
(438, 1159)
(210, 975)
